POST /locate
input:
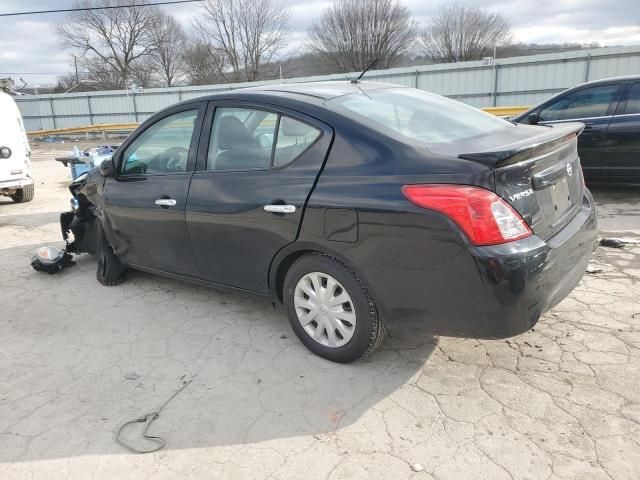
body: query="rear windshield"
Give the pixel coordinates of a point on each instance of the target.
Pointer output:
(419, 115)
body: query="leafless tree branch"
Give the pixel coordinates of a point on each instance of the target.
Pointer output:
(247, 33)
(458, 33)
(352, 33)
(110, 39)
(169, 44)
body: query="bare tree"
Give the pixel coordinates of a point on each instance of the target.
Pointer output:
(144, 73)
(65, 83)
(202, 63)
(115, 38)
(353, 33)
(248, 34)
(458, 33)
(102, 75)
(167, 56)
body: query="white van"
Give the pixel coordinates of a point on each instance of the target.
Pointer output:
(16, 180)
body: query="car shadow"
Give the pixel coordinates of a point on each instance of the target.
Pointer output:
(81, 359)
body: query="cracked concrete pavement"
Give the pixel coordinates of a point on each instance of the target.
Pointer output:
(559, 402)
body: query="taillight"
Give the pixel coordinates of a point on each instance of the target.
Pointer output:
(484, 217)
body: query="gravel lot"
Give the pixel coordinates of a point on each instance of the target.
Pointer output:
(78, 359)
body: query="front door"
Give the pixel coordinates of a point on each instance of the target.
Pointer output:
(256, 169)
(592, 106)
(144, 205)
(622, 162)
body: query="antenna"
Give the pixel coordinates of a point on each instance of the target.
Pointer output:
(357, 80)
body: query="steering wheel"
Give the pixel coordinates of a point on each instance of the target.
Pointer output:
(176, 159)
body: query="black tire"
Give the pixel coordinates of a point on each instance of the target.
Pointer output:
(110, 271)
(369, 329)
(25, 194)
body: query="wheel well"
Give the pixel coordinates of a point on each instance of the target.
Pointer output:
(283, 268)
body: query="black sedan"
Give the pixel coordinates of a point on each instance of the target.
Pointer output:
(351, 203)
(609, 146)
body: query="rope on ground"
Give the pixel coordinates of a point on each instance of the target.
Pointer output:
(149, 418)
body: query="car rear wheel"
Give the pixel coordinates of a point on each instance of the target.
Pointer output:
(110, 271)
(330, 309)
(23, 195)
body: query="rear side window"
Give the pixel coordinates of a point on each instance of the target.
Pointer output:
(242, 139)
(294, 137)
(585, 103)
(418, 115)
(633, 99)
(254, 139)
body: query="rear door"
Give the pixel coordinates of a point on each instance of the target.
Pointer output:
(622, 162)
(144, 205)
(257, 165)
(593, 106)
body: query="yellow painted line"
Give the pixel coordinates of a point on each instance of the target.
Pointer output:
(103, 127)
(505, 111)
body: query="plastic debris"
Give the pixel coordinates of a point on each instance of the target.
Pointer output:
(611, 242)
(417, 467)
(82, 161)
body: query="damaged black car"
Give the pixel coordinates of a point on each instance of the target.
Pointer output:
(350, 203)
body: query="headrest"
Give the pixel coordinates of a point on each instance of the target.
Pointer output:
(233, 132)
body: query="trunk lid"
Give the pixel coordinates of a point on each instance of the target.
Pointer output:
(538, 172)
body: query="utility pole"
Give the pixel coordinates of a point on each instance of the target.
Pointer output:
(495, 78)
(75, 62)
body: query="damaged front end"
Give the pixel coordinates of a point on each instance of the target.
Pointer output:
(80, 222)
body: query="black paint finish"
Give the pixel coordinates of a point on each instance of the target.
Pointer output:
(347, 192)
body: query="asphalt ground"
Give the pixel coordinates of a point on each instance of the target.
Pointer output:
(77, 360)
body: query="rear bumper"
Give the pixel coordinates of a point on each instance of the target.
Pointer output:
(15, 183)
(492, 292)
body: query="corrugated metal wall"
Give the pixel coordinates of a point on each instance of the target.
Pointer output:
(511, 81)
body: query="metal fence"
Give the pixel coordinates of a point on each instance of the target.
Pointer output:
(509, 81)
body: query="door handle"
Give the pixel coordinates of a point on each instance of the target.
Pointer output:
(280, 208)
(166, 202)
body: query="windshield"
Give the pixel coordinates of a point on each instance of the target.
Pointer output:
(419, 115)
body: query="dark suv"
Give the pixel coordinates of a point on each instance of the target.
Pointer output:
(609, 146)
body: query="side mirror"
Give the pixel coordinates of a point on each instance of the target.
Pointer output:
(533, 118)
(108, 168)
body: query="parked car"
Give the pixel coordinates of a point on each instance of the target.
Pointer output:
(352, 204)
(16, 180)
(609, 146)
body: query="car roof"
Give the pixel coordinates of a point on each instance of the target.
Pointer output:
(321, 90)
(624, 78)
(601, 81)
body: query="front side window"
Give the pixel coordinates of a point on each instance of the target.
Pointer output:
(585, 103)
(253, 139)
(161, 148)
(418, 115)
(633, 99)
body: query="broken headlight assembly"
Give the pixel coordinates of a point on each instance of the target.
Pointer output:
(51, 260)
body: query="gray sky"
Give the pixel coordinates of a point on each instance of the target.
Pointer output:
(28, 43)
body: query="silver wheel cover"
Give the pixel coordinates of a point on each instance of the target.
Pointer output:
(325, 309)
